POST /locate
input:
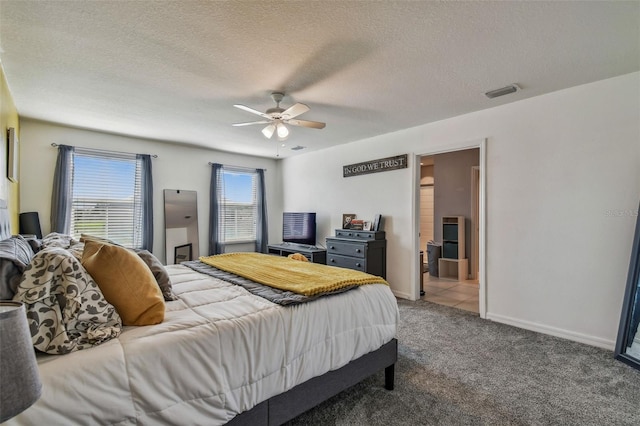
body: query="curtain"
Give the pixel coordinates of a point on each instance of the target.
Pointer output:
(62, 190)
(262, 229)
(147, 202)
(216, 193)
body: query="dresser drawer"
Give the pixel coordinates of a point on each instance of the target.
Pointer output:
(360, 235)
(346, 248)
(347, 262)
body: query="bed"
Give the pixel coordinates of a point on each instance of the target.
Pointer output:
(222, 355)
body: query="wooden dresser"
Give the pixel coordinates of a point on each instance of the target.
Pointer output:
(364, 251)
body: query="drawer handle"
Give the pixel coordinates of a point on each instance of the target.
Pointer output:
(333, 261)
(358, 265)
(357, 250)
(333, 248)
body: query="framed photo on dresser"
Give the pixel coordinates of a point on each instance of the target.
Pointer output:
(377, 223)
(346, 220)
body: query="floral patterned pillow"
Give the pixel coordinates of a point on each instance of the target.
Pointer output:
(66, 310)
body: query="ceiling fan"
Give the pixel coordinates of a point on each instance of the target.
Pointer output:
(276, 118)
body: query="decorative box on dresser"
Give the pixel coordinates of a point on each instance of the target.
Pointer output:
(364, 251)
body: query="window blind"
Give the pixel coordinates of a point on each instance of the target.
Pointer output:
(238, 207)
(107, 196)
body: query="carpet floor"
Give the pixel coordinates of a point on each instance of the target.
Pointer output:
(456, 369)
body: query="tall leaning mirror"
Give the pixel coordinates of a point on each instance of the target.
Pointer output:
(628, 343)
(181, 225)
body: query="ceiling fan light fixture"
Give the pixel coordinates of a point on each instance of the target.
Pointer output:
(268, 131)
(277, 118)
(282, 130)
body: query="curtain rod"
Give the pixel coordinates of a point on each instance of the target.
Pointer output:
(238, 167)
(104, 150)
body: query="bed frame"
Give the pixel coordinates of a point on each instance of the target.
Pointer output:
(286, 406)
(290, 404)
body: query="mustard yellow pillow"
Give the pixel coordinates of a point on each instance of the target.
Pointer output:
(126, 282)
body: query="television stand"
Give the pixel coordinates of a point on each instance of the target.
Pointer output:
(314, 254)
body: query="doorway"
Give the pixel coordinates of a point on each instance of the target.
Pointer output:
(464, 285)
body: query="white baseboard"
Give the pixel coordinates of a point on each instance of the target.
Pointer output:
(553, 331)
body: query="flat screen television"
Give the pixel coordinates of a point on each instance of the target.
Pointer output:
(299, 228)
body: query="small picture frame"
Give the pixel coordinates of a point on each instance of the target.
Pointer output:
(367, 225)
(182, 253)
(12, 155)
(346, 220)
(377, 223)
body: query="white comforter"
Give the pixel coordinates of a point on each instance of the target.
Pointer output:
(219, 352)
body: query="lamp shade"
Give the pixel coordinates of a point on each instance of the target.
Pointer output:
(19, 378)
(30, 224)
(282, 130)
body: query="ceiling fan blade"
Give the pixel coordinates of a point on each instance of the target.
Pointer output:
(249, 123)
(268, 131)
(295, 110)
(252, 111)
(306, 123)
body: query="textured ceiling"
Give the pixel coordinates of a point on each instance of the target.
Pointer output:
(172, 70)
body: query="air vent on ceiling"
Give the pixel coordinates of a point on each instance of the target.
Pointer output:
(297, 148)
(512, 88)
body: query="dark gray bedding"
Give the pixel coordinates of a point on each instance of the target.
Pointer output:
(281, 297)
(15, 255)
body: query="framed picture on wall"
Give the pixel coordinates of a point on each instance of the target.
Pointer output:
(12, 154)
(3, 166)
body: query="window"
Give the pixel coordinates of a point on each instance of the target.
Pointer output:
(238, 205)
(238, 208)
(107, 196)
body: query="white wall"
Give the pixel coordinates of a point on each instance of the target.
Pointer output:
(563, 185)
(177, 167)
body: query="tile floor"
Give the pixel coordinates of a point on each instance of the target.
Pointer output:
(459, 294)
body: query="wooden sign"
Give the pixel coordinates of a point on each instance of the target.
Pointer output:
(375, 166)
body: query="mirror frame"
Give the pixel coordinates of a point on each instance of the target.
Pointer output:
(629, 296)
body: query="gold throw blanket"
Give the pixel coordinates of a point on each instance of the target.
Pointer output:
(283, 273)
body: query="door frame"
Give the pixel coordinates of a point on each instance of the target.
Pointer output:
(482, 245)
(475, 213)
